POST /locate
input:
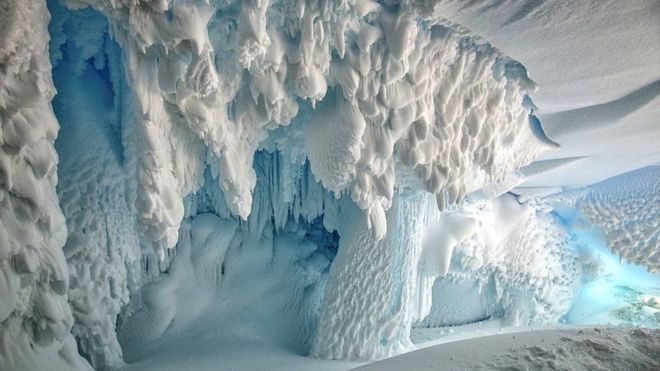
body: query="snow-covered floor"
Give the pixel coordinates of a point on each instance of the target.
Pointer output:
(476, 346)
(596, 348)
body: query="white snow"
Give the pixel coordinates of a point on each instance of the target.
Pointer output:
(595, 62)
(495, 269)
(263, 185)
(574, 349)
(35, 318)
(627, 208)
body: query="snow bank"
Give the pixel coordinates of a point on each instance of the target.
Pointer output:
(575, 349)
(35, 318)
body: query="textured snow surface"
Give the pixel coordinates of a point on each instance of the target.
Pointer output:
(568, 349)
(257, 184)
(384, 275)
(102, 248)
(627, 209)
(452, 105)
(595, 64)
(35, 318)
(517, 264)
(353, 93)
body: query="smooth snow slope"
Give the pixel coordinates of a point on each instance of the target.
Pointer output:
(568, 349)
(596, 63)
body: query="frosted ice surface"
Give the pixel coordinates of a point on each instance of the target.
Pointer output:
(340, 170)
(397, 85)
(35, 318)
(627, 209)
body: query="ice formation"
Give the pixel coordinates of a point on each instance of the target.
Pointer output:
(497, 265)
(627, 210)
(321, 175)
(458, 121)
(210, 86)
(35, 318)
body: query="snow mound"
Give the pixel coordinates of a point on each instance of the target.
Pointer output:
(606, 348)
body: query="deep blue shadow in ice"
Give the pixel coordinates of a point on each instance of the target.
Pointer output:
(613, 291)
(88, 76)
(327, 242)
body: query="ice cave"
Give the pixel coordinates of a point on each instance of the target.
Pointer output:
(329, 185)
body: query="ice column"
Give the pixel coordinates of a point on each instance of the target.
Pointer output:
(35, 319)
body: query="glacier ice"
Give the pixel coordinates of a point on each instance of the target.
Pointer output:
(329, 174)
(102, 247)
(626, 208)
(498, 263)
(35, 318)
(458, 121)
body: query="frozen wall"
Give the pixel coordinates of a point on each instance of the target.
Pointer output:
(35, 318)
(518, 263)
(372, 282)
(359, 89)
(102, 248)
(261, 139)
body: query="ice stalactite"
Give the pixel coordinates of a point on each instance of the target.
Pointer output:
(475, 134)
(388, 87)
(403, 88)
(35, 318)
(282, 252)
